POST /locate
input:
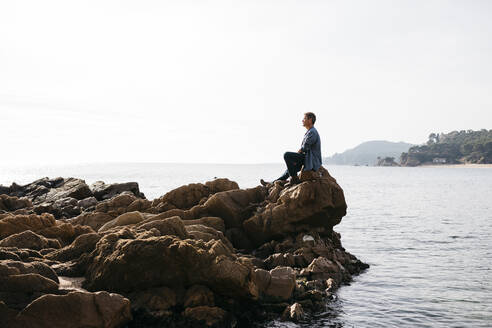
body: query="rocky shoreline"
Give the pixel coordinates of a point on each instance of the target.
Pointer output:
(202, 255)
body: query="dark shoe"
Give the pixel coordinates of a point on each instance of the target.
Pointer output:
(293, 181)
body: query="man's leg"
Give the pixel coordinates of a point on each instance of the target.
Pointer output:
(284, 176)
(294, 162)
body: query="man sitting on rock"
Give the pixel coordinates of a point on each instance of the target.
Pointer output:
(309, 155)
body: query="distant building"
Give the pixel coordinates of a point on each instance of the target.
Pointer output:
(439, 160)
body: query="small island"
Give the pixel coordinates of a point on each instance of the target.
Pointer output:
(456, 147)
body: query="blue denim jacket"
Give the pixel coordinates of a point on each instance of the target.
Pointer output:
(311, 146)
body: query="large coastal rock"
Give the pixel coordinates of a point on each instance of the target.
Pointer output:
(201, 255)
(76, 310)
(316, 203)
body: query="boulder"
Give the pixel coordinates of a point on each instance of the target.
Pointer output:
(282, 283)
(198, 295)
(71, 187)
(87, 202)
(27, 283)
(207, 316)
(82, 244)
(170, 226)
(17, 267)
(103, 191)
(136, 264)
(12, 224)
(95, 220)
(185, 197)
(209, 221)
(312, 203)
(122, 220)
(295, 313)
(154, 299)
(29, 239)
(10, 204)
(77, 310)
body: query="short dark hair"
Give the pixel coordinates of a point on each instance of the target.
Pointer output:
(311, 116)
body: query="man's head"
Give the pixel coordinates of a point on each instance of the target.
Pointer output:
(308, 120)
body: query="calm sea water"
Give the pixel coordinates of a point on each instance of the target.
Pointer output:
(426, 232)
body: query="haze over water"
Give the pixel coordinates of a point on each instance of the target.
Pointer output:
(426, 232)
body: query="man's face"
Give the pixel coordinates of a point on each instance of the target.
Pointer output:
(306, 121)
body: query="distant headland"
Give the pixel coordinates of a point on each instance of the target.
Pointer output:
(456, 147)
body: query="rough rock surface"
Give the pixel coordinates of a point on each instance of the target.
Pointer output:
(76, 309)
(201, 255)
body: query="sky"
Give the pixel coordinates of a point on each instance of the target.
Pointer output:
(229, 81)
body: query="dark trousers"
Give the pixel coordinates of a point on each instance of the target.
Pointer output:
(294, 162)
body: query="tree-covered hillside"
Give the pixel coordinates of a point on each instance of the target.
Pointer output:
(466, 146)
(367, 153)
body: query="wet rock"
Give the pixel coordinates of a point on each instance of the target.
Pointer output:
(295, 313)
(322, 268)
(29, 239)
(77, 309)
(282, 283)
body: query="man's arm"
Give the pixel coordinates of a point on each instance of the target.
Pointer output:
(308, 141)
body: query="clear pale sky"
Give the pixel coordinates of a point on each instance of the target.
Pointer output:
(229, 81)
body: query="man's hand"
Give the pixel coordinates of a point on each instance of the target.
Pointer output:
(300, 151)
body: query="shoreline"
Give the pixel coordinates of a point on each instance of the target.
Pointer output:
(465, 166)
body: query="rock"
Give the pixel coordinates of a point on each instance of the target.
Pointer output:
(155, 299)
(10, 204)
(13, 224)
(137, 264)
(317, 203)
(210, 221)
(29, 239)
(82, 244)
(87, 202)
(198, 295)
(169, 226)
(239, 239)
(71, 187)
(186, 197)
(282, 283)
(27, 283)
(65, 232)
(104, 191)
(322, 268)
(95, 220)
(279, 259)
(122, 220)
(17, 267)
(234, 206)
(110, 209)
(207, 315)
(199, 231)
(77, 310)
(294, 312)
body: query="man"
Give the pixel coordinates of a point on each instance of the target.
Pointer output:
(309, 155)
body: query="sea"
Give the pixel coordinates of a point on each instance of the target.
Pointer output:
(426, 233)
